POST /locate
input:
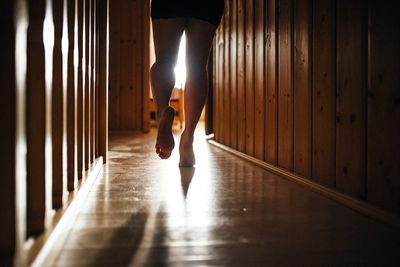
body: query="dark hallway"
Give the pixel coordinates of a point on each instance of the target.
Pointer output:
(297, 152)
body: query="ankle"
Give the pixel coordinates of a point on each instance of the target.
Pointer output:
(187, 138)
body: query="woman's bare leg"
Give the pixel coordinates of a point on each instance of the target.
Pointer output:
(199, 37)
(167, 35)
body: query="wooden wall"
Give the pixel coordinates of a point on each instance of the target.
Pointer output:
(53, 111)
(313, 87)
(129, 65)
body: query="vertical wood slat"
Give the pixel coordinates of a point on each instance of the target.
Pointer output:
(351, 97)
(324, 95)
(241, 89)
(87, 84)
(35, 115)
(8, 140)
(259, 86)
(128, 41)
(92, 63)
(208, 109)
(96, 79)
(115, 50)
(233, 74)
(57, 106)
(71, 99)
(219, 81)
(383, 145)
(226, 76)
(317, 49)
(103, 78)
(80, 92)
(146, 67)
(302, 87)
(285, 112)
(138, 67)
(249, 78)
(271, 110)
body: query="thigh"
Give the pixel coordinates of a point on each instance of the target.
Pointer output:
(167, 34)
(199, 39)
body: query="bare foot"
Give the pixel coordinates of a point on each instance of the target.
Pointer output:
(165, 140)
(187, 158)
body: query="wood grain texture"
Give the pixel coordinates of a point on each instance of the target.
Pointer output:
(302, 87)
(285, 89)
(36, 120)
(86, 97)
(383, 142)
(324, 93)
(145, 113)
(233, 49)
(92, 104)
(115, 73)
(351, 97)
(226, 77)
(138, 66)
(316, 66)
(241, 85)
(271, 94)
(249, 78)
(80, 91)
(71, 100)
(103, 77)
(259, 80)
(57, 107)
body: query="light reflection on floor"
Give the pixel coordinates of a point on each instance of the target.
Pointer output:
(225, 212)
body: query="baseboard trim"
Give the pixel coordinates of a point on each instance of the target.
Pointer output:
(355, 204)
(54, 236)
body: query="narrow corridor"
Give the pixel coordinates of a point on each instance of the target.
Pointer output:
(226, 212)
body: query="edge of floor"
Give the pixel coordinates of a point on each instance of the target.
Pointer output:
(353, 203)
(51, 238)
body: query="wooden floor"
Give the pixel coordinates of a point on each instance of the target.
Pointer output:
(142, 211)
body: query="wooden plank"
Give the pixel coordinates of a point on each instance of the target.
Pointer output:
(214, 86)
(146, 68)
(208, 109)
(80, 91)
(233, 75)
(302, 87)
(259, 82)
(226, 76)
(241, 86)
(57, 107)
(71, 100)
(36, 120)
(219, 81)
(92, 105)
(138, 67)
(351, 93)
(8, 140)
(324, 95)
(103, 78)
(115, 68)
(285, 112)
(96, 82)
(271, 69)
(127, 63)
(87, 85)
(383, 169)
(249, 79)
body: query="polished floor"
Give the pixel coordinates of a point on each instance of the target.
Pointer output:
(142, 211)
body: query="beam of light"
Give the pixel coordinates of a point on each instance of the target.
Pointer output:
(180, 68)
